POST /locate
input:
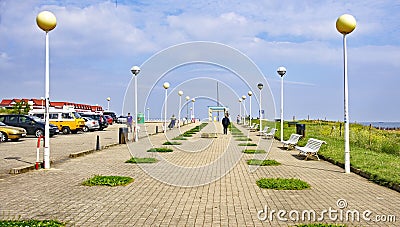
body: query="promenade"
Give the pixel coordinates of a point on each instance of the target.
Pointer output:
(203, 182)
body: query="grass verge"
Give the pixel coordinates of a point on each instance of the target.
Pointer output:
(266, 162)
(250, 151)
(141, 160)
(247, 144)
(172, 143)
(108, 181)
(282, 184)
(160, 149)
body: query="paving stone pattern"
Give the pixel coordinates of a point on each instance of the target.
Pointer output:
(208, 184)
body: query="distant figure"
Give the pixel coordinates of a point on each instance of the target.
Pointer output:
(238, 119)
(225, 123)
(172, 123)
(129, 121)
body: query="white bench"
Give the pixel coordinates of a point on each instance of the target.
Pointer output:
(270, 134)
(252, 126)
(292, 141)
(311, 148)
(255, 128)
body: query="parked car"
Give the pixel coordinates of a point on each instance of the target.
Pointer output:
(10, 132)
(56, 131)
(90, 124)
(67, 121)
(31, 126)
(112, 114)
(122, 119)
(100, 118)
(109, 119)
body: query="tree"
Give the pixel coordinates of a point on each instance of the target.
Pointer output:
(21, 107)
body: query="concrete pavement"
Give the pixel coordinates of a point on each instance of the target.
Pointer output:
(204, 182)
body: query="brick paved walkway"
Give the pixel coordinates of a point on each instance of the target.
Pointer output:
(207, 182)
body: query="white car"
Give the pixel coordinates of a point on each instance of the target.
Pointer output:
(90, 124)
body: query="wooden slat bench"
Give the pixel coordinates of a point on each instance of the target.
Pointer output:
(311, 148)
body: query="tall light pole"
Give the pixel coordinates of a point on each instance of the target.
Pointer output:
(260, 87)
(240, 110)
(180, 93)
(250, 94)
(148, 114)
(187, 109)
(166, 86)
(193, 117)
(345, 24)
(135, 70)
(244, 109)
(281, 71)
(47, 22)
(108, 103)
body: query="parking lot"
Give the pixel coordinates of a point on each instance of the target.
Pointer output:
(23, 153)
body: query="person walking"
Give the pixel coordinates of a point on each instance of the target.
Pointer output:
(226, 123)
(129, 121)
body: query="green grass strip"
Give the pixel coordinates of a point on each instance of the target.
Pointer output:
(320, 225)
(282, 184)
(160, 149)
(141, 160)
(247, 144)
(179, 138)
(108, 181)
(172, 143)
(243, 139)
(267, 162)
(250, 151)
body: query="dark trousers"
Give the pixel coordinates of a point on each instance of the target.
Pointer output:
(225, 130)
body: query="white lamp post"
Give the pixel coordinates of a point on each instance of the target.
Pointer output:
(187, 109)
(42, 98)
(250, 94)
(191, 112)
(240, 110)
(166, 86)
(180, 93)
(260, 86)
(47, 22)
(345, 24)
(135, 70)
(193, 117)
(108, 103)
(148, 114)
(244, 109)
(281, 71)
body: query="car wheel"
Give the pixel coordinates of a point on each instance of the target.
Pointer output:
(38, 133)
(3, 137)
(66, 130)
(85, 129)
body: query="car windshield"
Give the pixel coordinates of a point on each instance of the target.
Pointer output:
(38, 119)
(77, 115)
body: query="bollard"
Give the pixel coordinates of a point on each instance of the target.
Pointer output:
(37, 153)
(98, 143)
(123, 135)
(156, 129)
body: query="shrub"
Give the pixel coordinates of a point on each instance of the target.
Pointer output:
(282, 184)
(108, 181)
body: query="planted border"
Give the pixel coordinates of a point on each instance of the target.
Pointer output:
(266, 162)
(252, 151)
(160, 149)
(32, 223)
(320, 225)
(108, 181)
(141, 160)
(172, 143)
(282, 184)
(247, 144)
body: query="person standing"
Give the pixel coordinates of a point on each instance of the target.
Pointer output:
(225, 123)
(129, 121)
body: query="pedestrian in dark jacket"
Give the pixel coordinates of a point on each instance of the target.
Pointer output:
(225, 123)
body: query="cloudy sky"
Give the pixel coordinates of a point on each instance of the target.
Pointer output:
(96, 43)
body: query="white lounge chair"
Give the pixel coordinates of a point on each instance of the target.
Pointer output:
(292, 141)
(311, 148)
(270, 134)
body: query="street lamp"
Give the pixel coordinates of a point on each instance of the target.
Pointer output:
(108, 103)
(240, 110)
(180, 93)
(260, 86)
(281, 71)
(193, 117)
(166, 86)
(187, 109)
(250, 94)
(47, 22)
(345, 24)
(135, 70)
(148, 114)
(244, 110)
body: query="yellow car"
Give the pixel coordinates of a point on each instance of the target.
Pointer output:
(12, 133)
